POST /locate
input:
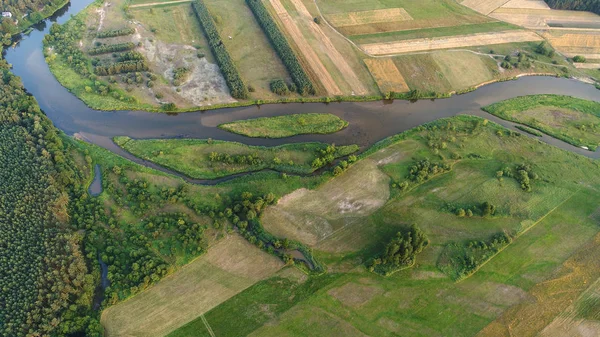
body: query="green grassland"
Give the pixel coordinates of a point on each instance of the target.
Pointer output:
(546, 225)
(209, 159)
(573, 120)
(287, 126)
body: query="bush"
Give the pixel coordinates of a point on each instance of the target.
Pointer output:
(579, 59)
(279, 87)
(230, 72)
(282, 47)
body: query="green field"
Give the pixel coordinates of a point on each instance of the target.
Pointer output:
(287, 126)
(551, 227)
(576, 121)
(209, 159)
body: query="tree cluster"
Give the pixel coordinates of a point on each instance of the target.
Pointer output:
(111, 48)
(230, 72)
(288, 57)
(279, 87)
(400, 251)
(130, 56)
(423, 170)
(115, 32)
(121, 67)
(26, 12)
(579, 5)
(523, 173)
(180, 75)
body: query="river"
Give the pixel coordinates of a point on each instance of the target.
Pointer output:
(369, 121)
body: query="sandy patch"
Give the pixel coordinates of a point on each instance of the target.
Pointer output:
(366, 17)
(387, 76)
(355, 295)
(480, 39)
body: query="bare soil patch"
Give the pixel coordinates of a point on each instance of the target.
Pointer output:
(480, 39)
(367, 17)
(387, 76)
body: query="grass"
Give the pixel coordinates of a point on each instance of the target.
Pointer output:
(287, 126)
(225, 270)
(575, 121)
(529, 130)
(193, 157)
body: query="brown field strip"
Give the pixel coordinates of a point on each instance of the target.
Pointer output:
(369, 17)
(539, 18)
(228, 267)
(304, 47)
(587, 65)
(573, 43)
(336, 57)
(530, 4)
(387, 76)
(480, 39)
(160, 3)
(484, 6)
(553, 296)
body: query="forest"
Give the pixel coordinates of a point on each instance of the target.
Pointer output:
(26, 13)
(579, 5)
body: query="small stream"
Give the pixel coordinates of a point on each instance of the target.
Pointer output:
(96, 186)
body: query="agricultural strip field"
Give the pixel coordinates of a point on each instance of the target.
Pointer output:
(366, 17)
(287, 126)
(587, 65)
(302, 45)
(547, 18)
(484, 6)
(248, 45)
(228, 267)
(160, 3)
(575, 43)
(387, 76)
(529, 4)
(480, 39)
(573, 120)
(208, 159)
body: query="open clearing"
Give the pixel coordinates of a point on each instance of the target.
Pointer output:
(366, 17)
(386, 75)
(481, 39)
(229, 267)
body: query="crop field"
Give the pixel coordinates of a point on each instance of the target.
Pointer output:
(479, 39)
(547, 18)
(571, 43)
(386, 75)
(366, 17)
(484, 6)
(529, 4)
(545, 272)
(331, 58)
(573, 120)
(208, 159)
(229, 267)
(248, 45)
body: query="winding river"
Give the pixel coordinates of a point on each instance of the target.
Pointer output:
(369, 122)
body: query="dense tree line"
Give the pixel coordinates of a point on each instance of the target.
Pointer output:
(26, 13)
(423, 170)
(230, 72)
(115, 32)
(47, 287)
(63, 40)
(121, 67)
(400, 251)
(111, 48)
(130, 56)
(281, 45)
(580, 5)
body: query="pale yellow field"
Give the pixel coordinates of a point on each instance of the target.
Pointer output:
(576, 43)
(539, 18)
(387, 76)
(228, 267)
(336, 57)
(531, 4)
(462, 69)
(484, 6)
(587, 65)
(480, 39)
(366, 17)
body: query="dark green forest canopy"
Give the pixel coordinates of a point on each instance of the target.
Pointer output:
(47, 288)
(26, 13)
(579, 5)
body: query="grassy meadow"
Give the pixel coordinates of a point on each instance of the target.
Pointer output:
(551, 226)
(575, 121)
(287, 126)
(209, 159)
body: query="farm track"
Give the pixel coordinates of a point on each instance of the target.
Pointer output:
(304, 47)
(338, 59)
(151, 4)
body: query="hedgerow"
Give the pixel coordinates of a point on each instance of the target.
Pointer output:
(230, 72)
(111, 48)
(282, 47)
(115, 32)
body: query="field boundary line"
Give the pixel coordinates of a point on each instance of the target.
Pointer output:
(519, 235)
(210, 330)
(151, 4)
